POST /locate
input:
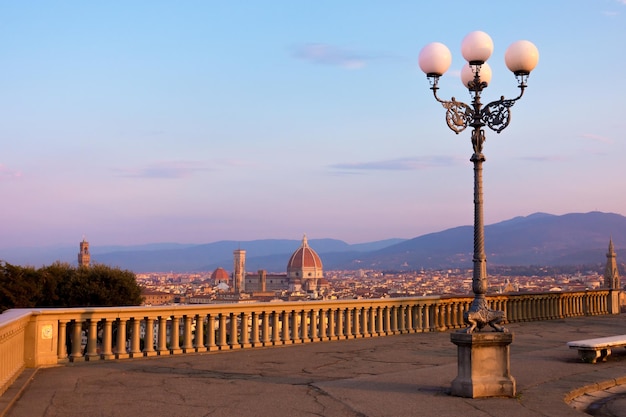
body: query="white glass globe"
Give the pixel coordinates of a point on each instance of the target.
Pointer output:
(435, 59)
(521, 57)
(477, 47)
(467, 74)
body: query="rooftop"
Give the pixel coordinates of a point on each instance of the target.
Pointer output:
(403, 375)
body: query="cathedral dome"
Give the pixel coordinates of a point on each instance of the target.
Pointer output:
(304, 263)
(220, 275)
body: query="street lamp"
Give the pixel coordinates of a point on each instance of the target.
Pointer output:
(521, 58)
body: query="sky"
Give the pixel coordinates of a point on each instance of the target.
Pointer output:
(132, 122)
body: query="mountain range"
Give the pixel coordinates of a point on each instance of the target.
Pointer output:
(538, 239)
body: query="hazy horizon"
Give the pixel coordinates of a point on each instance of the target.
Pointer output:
(140, 122)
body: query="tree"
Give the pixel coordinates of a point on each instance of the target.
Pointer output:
(63, 285)
(18, 286)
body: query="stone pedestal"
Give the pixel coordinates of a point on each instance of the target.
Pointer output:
(483, 365)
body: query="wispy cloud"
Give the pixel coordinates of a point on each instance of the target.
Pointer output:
(542, 158)
(321, 53)
(8, 174)
(165, 170)
(597, 138)
(399, 164)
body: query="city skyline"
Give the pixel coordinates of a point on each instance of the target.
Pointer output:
(156, 122)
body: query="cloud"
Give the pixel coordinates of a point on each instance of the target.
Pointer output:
(8, 174)
(597, 138)
(165, 170)
(320, 53)
(399, 164)
(543, 158)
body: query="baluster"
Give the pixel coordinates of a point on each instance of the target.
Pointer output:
(287, 340)
(380, 329)
(148, 340)
(275, 328)
(295, 332)
(365, 323)
(340, 323)
(419, 319)
(372, 322)
(254, 333)
(302, 325)
(62, 341)
(222, 342)
(332, 335)
(265, 329)
(402, 319)
(121, 352)
(313, 316)
(388, 320)
(408, 325)
(209, 336)
(322, 331)
(394, 320)
(348, 327)
(162, 349)
(77, 341)
(198, 341)
(107, 331)
(447, 314)
(356, 325)
(233, 340)
(187, 336)
(245, 336)
(175, 336)
(92, 340)
(135, 340)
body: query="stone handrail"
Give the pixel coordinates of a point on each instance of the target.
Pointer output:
(49, 336)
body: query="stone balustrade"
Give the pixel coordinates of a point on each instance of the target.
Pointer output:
(47, 336)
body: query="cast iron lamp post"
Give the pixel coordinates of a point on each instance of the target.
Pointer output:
(521, 58)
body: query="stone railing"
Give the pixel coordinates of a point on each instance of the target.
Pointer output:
(47, 336)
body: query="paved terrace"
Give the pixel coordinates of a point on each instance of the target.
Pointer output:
(403, 375)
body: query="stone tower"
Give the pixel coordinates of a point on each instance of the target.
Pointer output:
(611, 275)
(83, 256)
(239, 270)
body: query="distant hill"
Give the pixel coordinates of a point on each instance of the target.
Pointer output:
(538, 239)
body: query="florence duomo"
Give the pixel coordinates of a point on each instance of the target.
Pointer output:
(304, 278)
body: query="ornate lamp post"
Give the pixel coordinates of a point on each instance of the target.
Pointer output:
(483, 359)
(521, 58)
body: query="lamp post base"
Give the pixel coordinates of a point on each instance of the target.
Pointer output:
(483, 365)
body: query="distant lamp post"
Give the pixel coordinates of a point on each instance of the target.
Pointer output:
(435, 59)
(477, 377)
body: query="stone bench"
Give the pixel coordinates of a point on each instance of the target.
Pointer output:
(591, 350)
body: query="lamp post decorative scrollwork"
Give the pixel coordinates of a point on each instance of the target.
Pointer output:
(435, 59)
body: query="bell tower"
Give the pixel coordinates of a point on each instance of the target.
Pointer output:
(611, 274)
(239, 270)
(84, 257)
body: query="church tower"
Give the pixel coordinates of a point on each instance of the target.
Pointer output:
(83, 256)
(611, 275)
(239, 270)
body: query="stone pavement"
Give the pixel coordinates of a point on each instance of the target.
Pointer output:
(404, 375)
